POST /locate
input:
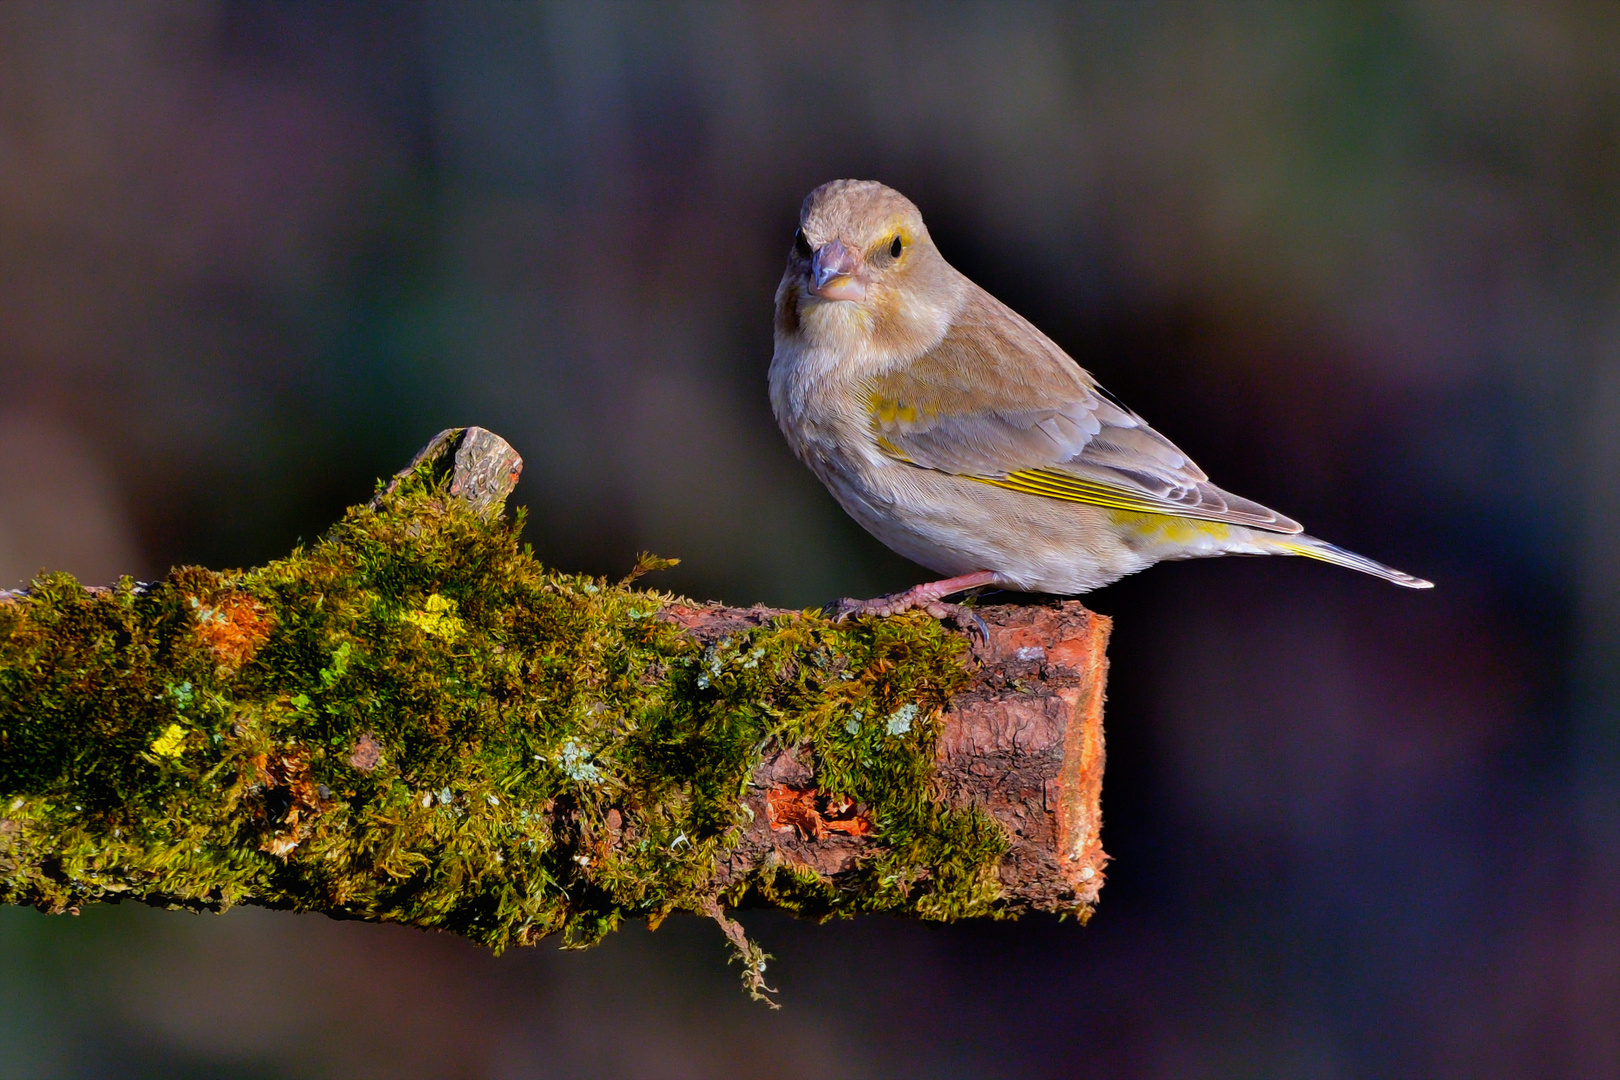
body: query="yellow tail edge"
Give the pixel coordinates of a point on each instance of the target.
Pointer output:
(1320, 550)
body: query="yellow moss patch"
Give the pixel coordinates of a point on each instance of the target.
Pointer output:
(169, 743)
(438, 618)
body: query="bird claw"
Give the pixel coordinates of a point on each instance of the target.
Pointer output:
(965, 618)
(845, 608)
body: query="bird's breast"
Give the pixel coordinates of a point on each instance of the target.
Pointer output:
(821, 405)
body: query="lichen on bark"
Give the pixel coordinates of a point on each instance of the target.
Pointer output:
(413, 720)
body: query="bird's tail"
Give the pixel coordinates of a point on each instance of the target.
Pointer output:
(1312, 548)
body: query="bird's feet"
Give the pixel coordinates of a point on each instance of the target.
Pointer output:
(928, 597)
(963, 617)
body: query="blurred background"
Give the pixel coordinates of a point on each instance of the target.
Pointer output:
(1361, 260)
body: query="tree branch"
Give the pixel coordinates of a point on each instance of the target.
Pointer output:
(414, 721)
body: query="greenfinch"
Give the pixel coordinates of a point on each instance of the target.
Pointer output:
(959, 435)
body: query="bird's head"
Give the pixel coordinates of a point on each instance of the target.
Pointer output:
(863, 273)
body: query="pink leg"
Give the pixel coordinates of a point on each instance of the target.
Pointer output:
(923, 595)
(928, 597)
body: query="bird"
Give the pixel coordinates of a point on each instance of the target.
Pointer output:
(966, 440)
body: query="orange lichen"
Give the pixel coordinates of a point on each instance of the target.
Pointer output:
(290, 795)
(813, 814)
(232, 627)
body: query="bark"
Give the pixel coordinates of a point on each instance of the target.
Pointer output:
(414, 721)
(1022, 741)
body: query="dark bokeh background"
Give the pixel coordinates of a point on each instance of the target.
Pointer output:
(1361, 260)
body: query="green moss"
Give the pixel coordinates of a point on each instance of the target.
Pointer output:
(413, 720)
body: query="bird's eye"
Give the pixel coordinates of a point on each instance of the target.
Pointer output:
(801, 244)
(895, 248)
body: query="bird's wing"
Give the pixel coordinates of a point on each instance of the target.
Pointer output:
(998, 402)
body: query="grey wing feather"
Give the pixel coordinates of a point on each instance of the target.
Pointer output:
(1090, 436)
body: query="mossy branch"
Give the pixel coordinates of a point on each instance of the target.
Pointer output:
(412, 720)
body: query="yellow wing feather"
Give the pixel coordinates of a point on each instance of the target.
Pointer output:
(1057, 485)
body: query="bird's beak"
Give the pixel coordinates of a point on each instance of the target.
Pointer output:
(835, 273)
